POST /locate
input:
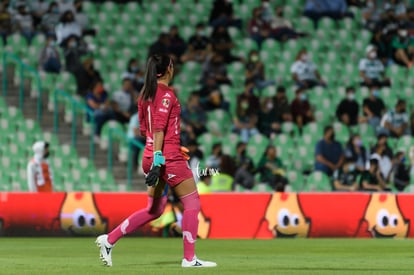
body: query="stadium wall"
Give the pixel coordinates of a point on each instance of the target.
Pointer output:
(223, 215)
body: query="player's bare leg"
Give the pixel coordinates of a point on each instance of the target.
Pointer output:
(154, 209)
(187, 192)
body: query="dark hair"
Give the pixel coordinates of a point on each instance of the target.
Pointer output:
(227, 165)
(157, 66)
(240, 143)
(51, 4)
(327, 128)
(63, 18)
(281, 89)
(132, 60)
(373, 162)
(350, 89)
(216, 145)
(400, 102)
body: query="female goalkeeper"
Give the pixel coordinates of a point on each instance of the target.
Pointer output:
(163, 162)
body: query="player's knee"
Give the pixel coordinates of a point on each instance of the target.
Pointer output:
(191, 202)
(156, 208)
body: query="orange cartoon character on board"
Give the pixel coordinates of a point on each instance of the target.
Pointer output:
(80, 216)
(285, 217)
(384, 218)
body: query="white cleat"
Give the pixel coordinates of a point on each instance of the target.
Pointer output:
(105, 249)
(197, 263)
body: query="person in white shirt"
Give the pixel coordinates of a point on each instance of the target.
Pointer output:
(51, 18)
(372, 70)
(395, 122)
(39, 174)
(24, 22)
(123, 101)
(67, 29)
(304, 71)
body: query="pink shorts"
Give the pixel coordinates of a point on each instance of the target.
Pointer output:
(173, 172)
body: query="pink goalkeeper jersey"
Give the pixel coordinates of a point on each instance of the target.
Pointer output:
(162, 114)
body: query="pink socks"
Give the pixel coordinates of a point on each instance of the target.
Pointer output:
(191, 203)
(154, 209)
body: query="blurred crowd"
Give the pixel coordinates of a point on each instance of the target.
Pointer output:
(391, 21)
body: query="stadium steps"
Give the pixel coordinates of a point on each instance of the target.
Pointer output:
(64, 134)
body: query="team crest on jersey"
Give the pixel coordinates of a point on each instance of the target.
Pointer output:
(166, 102)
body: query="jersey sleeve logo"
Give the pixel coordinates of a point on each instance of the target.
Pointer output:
(166, 102)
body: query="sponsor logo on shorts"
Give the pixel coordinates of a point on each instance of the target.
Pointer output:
(170, 176)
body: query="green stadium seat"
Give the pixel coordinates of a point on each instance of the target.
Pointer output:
(256, 146)
(318, 181)
(296, 180)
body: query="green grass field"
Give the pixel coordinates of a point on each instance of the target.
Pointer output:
(163, 256)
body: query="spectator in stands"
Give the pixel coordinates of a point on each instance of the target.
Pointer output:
(196, 156)
(194, 116)
(409, 21)
(272, 170)
(49, 59)
(396, 122)
(66, 5)
(223, 44)
(134, 134)
(97, 101)
(382, 140)
(356, 153)
(301, 110)
(134, 73)
(86, 75)
(124, 102)
(255, 71)
(222, 15)
(329, 154)
(74, 55)
(177, 45)
(211, 97)
(51, 18)
(382, 44)
(268, 122)
(259, 29)
(244, 175)
(304, 71)
(373, 107)
(246, 113)
(39, 173)
(5, 22)
(335, 9)
(38, 9)
(371, 179)
(214, 160)
(282, 28)
(399, 8)
(401, 171)
(203, 185)
(345, 178)
(372, 70)
(161, 46)
(24, 22)
(67, 29)
(81, 18)
(199, 46)
(403, 47)
(281, 105)
(223, 180)
(215, 67)
(348, 109)
(371, 14)
(384, 161)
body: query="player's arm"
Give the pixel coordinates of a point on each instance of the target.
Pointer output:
(141, 120)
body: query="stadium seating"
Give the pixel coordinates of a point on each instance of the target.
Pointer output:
(335, 48)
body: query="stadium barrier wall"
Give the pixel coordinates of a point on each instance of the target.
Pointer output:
(223, 215)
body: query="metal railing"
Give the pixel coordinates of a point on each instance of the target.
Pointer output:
(78, 108)
(7, 57)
